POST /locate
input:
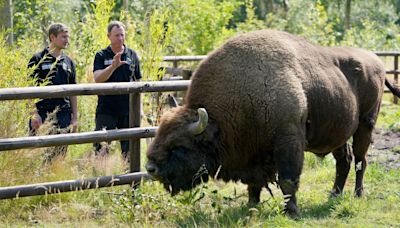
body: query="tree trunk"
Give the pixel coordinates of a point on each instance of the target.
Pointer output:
(6, 19)
(270, 4)
(261, 9)
(126, 5)
(286, 8)
(347, 15)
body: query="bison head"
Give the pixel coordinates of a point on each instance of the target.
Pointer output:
(182, 153)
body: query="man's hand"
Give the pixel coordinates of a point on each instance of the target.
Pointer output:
(117, 60)
(36, 121)
(103, 75)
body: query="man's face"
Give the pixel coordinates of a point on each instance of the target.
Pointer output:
(117, 36)
(60, 41)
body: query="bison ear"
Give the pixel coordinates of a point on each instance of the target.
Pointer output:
(199, 126)
(172, 102)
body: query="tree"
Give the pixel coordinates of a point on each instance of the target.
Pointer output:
(347, 15)
(6, 23)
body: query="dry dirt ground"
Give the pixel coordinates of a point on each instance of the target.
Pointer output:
(385, 148)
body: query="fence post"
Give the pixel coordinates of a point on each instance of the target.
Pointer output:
(396, 75)
(134, 121)
(175, 63)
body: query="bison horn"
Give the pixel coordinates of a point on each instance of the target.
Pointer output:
(198, 127)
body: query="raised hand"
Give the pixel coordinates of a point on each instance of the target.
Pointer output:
(117, 60)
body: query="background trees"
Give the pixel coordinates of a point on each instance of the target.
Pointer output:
(200, 26)
(6, 21)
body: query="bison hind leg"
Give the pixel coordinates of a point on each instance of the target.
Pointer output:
(343, 156)
(361, 142)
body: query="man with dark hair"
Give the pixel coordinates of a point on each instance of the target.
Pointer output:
(116, 63)
(53, 67)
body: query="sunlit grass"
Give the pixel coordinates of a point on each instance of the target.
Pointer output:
(215, 204)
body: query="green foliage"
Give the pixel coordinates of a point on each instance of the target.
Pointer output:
(389, 117)
(250, 23)
(200, 25)
(14, 73)
(152, 41)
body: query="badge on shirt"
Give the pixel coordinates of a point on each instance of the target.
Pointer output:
(46, 66)
(108, 62)
(65, 67)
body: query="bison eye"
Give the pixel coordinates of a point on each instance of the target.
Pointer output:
(178, 152)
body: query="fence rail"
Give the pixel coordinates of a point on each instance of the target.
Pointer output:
(92, 89)
(75, 138)
(71, 185)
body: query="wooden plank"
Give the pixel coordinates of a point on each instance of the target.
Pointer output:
(91, 89)
(71, 185)
(75, 138)
(184, 58)
(387, 53)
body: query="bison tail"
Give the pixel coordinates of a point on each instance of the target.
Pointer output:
(395, 90)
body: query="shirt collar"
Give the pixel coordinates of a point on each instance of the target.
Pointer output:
(111, 51)
(46, 52)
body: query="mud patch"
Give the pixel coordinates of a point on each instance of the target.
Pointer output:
(385, 148)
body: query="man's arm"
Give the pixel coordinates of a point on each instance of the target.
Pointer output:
(104, 74)
(36, 120)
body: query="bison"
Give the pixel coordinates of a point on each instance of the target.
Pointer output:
(258, 102)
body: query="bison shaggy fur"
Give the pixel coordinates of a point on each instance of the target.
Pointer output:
(270, 96)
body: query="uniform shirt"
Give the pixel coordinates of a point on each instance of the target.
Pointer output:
(117, 104)
(58, 72)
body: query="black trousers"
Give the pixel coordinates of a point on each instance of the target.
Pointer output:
(62, 120)
(108, 122)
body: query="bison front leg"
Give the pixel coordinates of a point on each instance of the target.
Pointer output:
(254, 194)
(343, 158)
(289, 156)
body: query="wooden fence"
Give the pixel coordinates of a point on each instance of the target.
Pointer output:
(395, 70)
(134, 133)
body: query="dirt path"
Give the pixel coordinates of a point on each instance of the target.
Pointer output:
(385, 148)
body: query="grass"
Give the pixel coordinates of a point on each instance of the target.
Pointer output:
(215, 204)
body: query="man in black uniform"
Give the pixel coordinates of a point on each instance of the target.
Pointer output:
(53, 67)
(116, 63)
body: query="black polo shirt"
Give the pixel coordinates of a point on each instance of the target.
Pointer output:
(58, 72)
(117, 104)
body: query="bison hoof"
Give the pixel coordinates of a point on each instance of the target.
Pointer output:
(292, 211)
(335, 193)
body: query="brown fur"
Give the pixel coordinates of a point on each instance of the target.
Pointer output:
(270, 96)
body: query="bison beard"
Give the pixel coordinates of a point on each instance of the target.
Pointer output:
(258, 102)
